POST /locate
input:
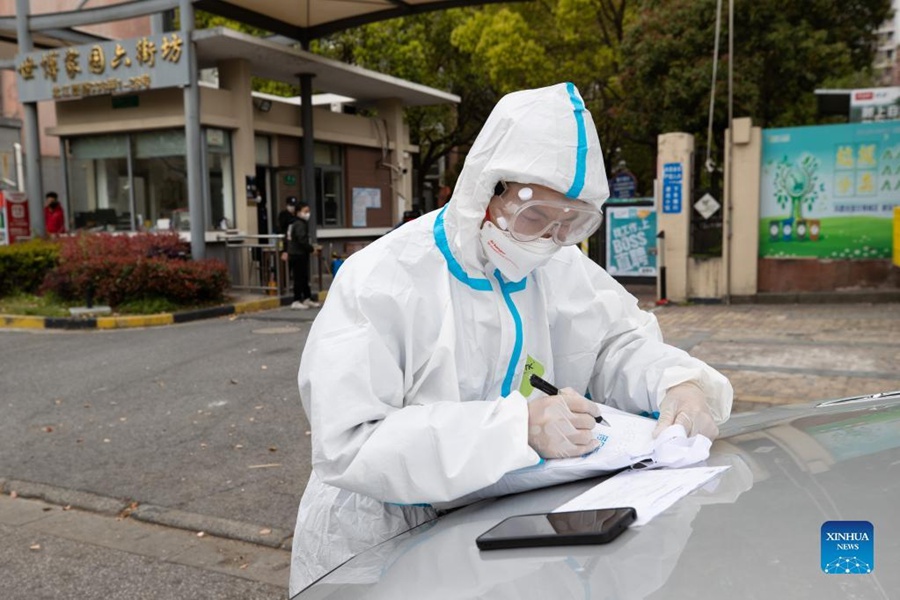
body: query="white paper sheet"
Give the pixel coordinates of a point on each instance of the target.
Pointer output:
(649, 492)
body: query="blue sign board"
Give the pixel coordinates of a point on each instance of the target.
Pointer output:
(623, 185)
(671, 188)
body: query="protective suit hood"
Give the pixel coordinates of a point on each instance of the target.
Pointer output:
(544, 136)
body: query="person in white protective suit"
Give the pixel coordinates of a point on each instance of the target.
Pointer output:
(413, 375)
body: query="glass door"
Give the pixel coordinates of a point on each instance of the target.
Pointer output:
(329, 197)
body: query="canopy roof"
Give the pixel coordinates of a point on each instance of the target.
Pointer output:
(305, 20)
(271, 60)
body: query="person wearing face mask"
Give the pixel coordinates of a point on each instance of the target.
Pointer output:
(414, 374)
(299, 249)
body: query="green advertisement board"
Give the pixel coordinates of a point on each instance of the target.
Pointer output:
(829, 191)
(631, 241)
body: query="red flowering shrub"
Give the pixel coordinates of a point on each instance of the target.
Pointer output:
(121, 268)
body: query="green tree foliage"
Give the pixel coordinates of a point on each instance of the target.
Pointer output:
(783, 51)
(535, 44)
(205, 20)
(643, 66)
(419, 49)
(482, 53)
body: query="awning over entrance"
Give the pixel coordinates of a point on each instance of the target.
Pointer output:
(279, 62)
(306, 20)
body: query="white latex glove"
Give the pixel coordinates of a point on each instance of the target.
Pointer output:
(685, 405)
(560, 426)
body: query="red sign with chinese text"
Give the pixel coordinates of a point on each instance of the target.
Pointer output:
(17, 223)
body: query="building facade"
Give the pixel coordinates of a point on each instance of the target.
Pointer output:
(113, 135)
(886, 66)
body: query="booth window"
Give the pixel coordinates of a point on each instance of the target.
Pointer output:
(221, 181)
(98, 183)
(160, 179)
(151, 195)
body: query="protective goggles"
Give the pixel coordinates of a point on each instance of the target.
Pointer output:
(527, 216)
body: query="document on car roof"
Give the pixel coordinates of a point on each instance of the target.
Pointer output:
(648, 492)
(627, 442)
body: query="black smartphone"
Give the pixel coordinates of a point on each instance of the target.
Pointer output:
(558, 529)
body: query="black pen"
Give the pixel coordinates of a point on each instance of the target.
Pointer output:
(551, 390)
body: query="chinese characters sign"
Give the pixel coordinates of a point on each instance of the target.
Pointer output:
(16, 222)
(631, 241)
(671, 188)
(875, 104)
(122, 66)
(829, 192)
(623, 185)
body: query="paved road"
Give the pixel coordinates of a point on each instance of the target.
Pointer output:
(203, 417)
(201, 424)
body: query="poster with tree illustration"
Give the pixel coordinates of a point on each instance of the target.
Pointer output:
(829, 191)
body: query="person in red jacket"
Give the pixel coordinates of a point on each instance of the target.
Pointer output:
(54, 219)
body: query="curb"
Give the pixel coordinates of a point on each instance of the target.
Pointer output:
(219, 527)
(65, 497)
(128, 322)
(151, 513)
(873, 296)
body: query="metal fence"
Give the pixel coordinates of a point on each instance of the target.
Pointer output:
(255, 264)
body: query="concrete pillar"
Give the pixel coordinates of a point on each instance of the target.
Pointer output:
(235, 76)
(307, 183)
(399, 161)
(676, 148)
(743, 162)
(31, 129)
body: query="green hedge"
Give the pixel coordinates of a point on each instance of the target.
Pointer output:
(24, 266)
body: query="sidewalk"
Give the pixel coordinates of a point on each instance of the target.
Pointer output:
(51, 548)
(785, 354)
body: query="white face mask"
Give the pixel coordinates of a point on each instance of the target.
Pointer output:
(515, 259)
(304, 216)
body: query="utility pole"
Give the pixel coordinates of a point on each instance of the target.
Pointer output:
(192, 132)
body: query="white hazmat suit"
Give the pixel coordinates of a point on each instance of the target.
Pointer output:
(412, 375)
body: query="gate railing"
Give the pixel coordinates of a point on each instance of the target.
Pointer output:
(254, 263)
